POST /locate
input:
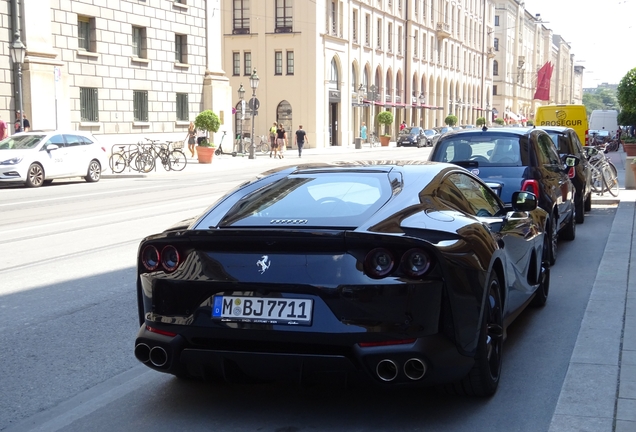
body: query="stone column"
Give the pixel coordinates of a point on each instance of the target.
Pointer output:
(217, 93)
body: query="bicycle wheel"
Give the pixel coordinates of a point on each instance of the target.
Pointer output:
(610, 181)
(117, 163)
(597, 180)
(164, 156)
(264, 147)
(145, 162)
(178, 160)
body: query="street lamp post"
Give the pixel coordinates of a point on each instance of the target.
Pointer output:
(18, 52)
(254, 84)
(422, 100)
(241, 95)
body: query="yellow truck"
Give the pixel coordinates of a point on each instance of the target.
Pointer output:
(567, 115)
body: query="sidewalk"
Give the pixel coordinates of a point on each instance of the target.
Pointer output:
(599, 391)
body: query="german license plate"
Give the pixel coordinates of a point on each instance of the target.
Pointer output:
(262, 310)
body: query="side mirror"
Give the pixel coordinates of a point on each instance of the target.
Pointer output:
(570, 160)
(50, 147)
(523, 201)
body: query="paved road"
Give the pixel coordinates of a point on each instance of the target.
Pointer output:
(68, 324)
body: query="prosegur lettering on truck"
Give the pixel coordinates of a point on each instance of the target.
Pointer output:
(564, 123)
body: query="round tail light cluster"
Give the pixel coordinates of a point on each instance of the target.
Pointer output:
(381, 262)
(168, 259)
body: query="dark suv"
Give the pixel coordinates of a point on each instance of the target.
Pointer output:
(512, 159)
(567, 142)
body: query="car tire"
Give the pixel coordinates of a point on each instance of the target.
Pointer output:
(569, 231)
(541, 294)
(588, 202)
(580, 210)
(483, 378)
(550, 247)
(94, 172)
(35, 176)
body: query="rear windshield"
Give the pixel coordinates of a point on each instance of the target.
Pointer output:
(312, 200)
(410, 131)
(485, 149)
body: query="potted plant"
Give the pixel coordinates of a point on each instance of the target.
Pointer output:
(481, 121)
(500, 121)
(450, 120)
(209, 122)
(628, 118)
(529, 123)
(385, 118)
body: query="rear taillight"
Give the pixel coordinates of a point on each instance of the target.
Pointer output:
(170, 258)
(531, 186)
(387, 343)
(571, 172)
(150, 258)
(379, 263)
(415, 262)
(161, 332)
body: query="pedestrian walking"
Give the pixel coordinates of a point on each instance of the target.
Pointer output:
(402, 125)
(272, 136)
(4, 129)
(301, 138)
(363, 131)
(192, 134)
(20, 119)
(281, 140)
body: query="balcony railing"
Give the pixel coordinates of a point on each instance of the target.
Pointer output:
(443, 30)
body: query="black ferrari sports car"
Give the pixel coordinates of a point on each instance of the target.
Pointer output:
(402, 273)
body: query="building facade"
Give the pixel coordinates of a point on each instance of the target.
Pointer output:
(125, 69)
(523, 45)
(330, 65)
(120, 69)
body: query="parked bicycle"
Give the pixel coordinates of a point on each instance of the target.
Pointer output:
(263, 145)
(604, 174)
(126, 156)
(373, 141)
(170, 155)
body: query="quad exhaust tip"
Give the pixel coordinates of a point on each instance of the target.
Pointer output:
(414, 369)
(386, 370)
(142, 352)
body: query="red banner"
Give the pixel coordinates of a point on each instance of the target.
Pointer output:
(544, 75)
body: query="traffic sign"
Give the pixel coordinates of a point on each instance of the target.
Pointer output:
(254, 104)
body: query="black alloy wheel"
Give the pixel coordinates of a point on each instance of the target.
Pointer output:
(483, 378)
(569, 231)
(550, 246)
(580, 210)
(541, 294)
(35, 175)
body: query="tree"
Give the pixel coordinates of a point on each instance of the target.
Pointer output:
(207, 121)
(627, 118)
(627, 91)
(480, 121)
(385, 118)
(450, 120)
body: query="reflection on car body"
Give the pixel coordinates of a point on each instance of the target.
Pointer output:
(402, 273)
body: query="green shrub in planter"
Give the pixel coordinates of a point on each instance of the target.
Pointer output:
(480, 121)
(207, 121)
(385, 118)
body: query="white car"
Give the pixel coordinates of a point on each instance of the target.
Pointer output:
(36, 158)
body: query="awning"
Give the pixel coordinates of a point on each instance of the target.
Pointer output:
(513, 116)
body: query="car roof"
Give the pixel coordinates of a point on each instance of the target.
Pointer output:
(555, 128)
(518, 131)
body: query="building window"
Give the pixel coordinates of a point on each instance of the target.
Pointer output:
(494, 90)
(496, 20)
(85, 33)
(241, 17)
(180, 49)
(399, 41)
(367, 30)
(354, 27)
(182, 107)
(283, 16)
(247, 63)
(389, 38)
(236, 64)
(496, 43)
(139, 42)
(278, 63)
(290, 62)
(379, 34)
(415, 44)
(333, 12)
(89, 111)
(495, 68)
(140, 105)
